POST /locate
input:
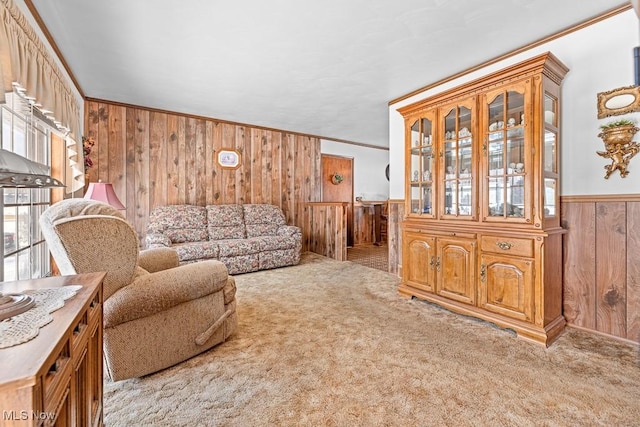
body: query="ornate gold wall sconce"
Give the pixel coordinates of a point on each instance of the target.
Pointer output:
(620, 148)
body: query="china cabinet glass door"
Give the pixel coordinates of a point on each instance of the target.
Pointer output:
(457, 152)
(422, 166)
(505, 155)
(550, 155)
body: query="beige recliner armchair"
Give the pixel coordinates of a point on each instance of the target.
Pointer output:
(156, 313)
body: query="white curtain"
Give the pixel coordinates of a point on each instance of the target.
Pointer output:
(25, 60)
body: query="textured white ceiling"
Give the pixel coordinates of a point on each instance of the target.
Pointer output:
(326, 68)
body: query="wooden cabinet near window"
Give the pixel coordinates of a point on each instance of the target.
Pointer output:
(481, 234)
(55, 379)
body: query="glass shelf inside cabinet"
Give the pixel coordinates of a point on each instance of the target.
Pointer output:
(421, 198)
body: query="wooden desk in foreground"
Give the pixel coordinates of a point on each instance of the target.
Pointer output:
(56, 378)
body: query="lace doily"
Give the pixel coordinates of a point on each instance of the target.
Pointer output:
(26, 326)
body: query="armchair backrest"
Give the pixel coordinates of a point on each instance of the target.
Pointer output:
(87, 236)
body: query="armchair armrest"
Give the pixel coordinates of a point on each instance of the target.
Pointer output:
(158, 259)
(155, 292)
(289, 231)
(157, 240)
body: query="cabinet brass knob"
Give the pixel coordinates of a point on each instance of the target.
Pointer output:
(433, 261)
(505, 246)
(483, 272)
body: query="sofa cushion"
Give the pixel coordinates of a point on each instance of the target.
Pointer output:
(272, 243)
(225, 222)
(235, 247)
(180, 223)
(191, 251)
(187, 235)
(279, 258)
(242, 263)
(262, 219)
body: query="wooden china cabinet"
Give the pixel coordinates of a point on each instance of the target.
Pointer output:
(482, 233)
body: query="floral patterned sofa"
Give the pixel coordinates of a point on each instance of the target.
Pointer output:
(245, 238)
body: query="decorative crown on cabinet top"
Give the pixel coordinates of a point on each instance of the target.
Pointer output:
(546, 63)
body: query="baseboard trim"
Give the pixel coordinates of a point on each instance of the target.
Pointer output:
(603, 334)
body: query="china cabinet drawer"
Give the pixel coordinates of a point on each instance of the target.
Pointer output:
(507, 245)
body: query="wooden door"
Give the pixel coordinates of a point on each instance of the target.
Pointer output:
(339, 192)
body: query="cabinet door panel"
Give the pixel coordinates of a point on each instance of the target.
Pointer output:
(457, 152)
(506, 163)
(419, 268)
(506, 286)
(455, 268)
(421, 165)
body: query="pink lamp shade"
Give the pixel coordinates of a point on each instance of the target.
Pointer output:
(103, 192)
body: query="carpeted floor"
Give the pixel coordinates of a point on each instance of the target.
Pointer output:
(330, 343)
(370, 255)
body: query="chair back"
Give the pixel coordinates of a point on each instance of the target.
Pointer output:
(86, 236)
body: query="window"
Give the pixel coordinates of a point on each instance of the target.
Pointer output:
(26, 132)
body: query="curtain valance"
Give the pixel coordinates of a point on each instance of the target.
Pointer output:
(24, 59)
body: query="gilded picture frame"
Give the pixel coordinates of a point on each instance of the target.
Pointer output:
(229, 158)
(618, 101)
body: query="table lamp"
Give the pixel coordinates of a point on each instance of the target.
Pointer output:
(103, 192)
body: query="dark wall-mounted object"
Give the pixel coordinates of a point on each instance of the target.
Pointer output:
(636, 63)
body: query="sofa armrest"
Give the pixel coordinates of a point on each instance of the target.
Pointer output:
(156, 292)
(158, 259)
(157, 240)
(289, 231)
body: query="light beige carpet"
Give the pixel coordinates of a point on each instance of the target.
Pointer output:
(330, 343)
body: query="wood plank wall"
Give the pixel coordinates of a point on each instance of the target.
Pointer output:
(328, 228)
(156, 158)
(363, 224)
(602, 264)
(394, 236)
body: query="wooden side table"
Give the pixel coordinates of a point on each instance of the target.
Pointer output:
(56, 378)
